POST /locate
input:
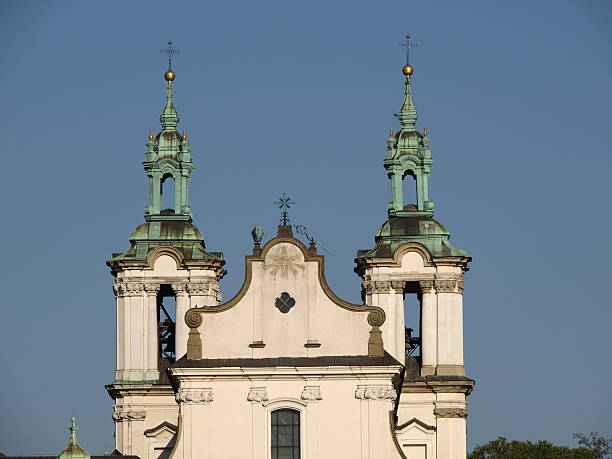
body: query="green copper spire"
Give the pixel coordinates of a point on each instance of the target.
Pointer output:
(407, 115)
(408, 155)
(168, 158)
(169, 117)
(73, 450)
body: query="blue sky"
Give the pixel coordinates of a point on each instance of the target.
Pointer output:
(298, 97)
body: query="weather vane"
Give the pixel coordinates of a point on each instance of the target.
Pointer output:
(170, 51)
(284, 203)
(407, 44)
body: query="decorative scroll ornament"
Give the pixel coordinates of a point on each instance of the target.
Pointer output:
(283, 263)
(284, 302)
(194, 396)
(375, 393)
(451, 412)
(257, 395)
(311, 393)
(129, 415)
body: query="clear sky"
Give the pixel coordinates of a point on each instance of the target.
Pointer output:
(298, 97)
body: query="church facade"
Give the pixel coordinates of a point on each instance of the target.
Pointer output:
(286, 369)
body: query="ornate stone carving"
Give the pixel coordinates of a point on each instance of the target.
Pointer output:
(426, 286)
(311, 393)
(398, 286)
(151, 288)
(365, 392)
(450, 412)
(179, 288)
(194, 396)
(204, 289)
(446, 286)
(129, 415)
(257, 395)
(460, 286)
(128, 288)
(380, 286)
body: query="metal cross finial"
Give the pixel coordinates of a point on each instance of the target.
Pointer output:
(408, 45)
(170, 51)
(284, 203)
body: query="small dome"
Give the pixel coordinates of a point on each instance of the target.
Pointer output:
(73, 450)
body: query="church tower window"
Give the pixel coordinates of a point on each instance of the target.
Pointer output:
(286, 434)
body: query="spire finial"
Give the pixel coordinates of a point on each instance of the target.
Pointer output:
(408, 69)
(73, 429)
(407, 114)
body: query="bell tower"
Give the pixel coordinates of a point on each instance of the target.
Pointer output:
(414, 259)
(165, 271)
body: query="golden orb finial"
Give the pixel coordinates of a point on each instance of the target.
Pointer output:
(150, 135)
(425, 132)
(391, 132)
(408, 70)
(169, 75)
(185, 138)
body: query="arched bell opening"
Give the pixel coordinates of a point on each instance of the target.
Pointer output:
(167, 192)
(409, 190)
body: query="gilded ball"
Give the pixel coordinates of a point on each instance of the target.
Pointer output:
(408, 70)
(169, 75)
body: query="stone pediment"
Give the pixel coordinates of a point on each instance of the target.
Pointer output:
(284, 308)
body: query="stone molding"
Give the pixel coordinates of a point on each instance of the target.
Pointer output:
(367, 392)
(194, 396)
(257, 395)
(129, 415)
(450, 412)
(311, 393)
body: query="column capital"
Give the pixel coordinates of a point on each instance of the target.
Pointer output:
(449, 285)
(377, 287)
(398, 286)
(151, 288)
(426, 286)
(179, 288)
(311, 393)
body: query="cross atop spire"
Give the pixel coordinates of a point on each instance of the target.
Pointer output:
(408, 45)
(170, 50)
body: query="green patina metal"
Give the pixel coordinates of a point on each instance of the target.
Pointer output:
(408, 154)
(73, 450)
(168, 156)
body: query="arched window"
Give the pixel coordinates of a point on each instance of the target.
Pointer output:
(285, 434)
(409, 186)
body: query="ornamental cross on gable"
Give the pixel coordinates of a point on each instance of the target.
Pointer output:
(284, 203)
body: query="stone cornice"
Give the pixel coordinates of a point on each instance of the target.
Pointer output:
(443, 386)
(129, 390)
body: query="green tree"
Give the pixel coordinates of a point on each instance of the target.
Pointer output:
(600, 445)
(502, 448)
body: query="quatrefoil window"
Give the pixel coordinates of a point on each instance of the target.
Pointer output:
(284, 302)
